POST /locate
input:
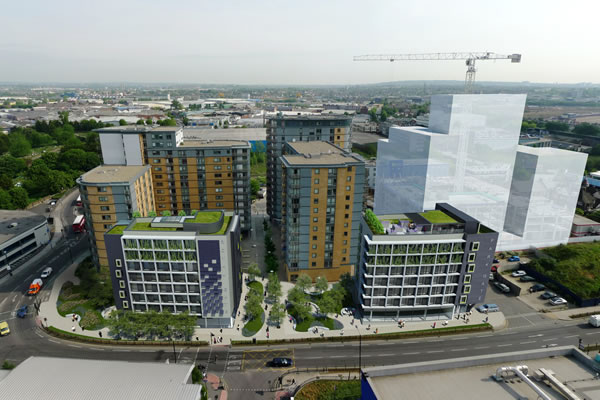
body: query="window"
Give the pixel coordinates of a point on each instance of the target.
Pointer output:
(345, 224)
(349, 169)
(343, 251)
(315, 210)
(218, 190)
(345, 242)
(118, 262)
(347, 188)
(474, 246)
(471, 257)
(219, 197)
(156, 160)
(102, 198)
(314, 264)
(102, 189)
(122, 294)
(316, 171)
(122, 284)
(346, 216)
(104, 208)
(314, 246)
(316, 181)
(345, 233)
(349, 179)
(107, 226)
(315, 219)
(467, 289)
(314, 228)
(463, 299)
(314, 255)
(217, 167)
(467, 279)
(106, 217)
(347, 206)
(118, 273)
(125, 304)
(314, 238)
(348, 198)
(315, 201)
(219, 204)
(471, 268)
(316, 191)
(217, 159)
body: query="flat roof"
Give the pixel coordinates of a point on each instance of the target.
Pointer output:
(319, 153)
(311, 117)
(314, 147)
(460, 379)
(125, 129)
(75, 379)
(581, 220)
(253, 134)
(25, 220)
(114, 173)
(548, 151)
(213, 143)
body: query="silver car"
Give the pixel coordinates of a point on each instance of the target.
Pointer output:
(502, 287)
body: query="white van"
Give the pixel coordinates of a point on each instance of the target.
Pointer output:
(594, 321)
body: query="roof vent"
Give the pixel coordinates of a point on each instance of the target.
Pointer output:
(13, 225)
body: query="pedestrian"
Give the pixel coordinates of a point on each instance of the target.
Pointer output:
(376, 330)
(468, 319)
(369, 327)
(100, 333)
(293, 381)
(352, 322)
(221, 330)
(238, 327)
(267, 335)
(73, 328)
(486, 319)
(434, 325)
(239, 313)
(83, 328)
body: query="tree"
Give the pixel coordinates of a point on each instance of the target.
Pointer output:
(321, 284)
(579, 211)
(181, 213)
(185, 120)
(328, 304)
(253, 305)
(586, 128)
(140, 122)
(152, 214)
(64, 117)
(19, 145)
(253, 271)
(149, 121)
(19, 196)
(304, 282)
(176, 105)
(296, 296)
(277, 314)
(166, 213)
(554, 126)
(136, 214)
(5, 200)
(6, 182)
(11, 166)
(373, 114)
(273, 287)
(122, 122)
(254, 187)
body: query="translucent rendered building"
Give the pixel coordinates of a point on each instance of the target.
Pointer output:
(465, 158)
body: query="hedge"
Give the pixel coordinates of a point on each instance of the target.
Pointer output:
(88, 339)
(374, 223)
(378, 336)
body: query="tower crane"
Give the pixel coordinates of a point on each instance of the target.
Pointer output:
(469, 57)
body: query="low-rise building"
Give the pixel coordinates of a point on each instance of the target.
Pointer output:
(21, 232)
(428, 265)
(583, 226)
(178, 264)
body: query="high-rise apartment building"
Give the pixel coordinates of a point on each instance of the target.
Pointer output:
(469, 157)
(282, 129)
(111, 193)
(187, 175)
(429, 264)
(321, 195)
(178, 264)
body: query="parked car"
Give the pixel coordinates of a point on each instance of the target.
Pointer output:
(22, 312)
(496, 261)
(281, 362)
(488, 308)
(548, 295)
(46, 272)
(518, 273)
(4, 330)
(538, 287)
(514, 258)
(556, 301)
(502, 287)
(492, 277)
(594, 321)
(527, 278)
(494, 268)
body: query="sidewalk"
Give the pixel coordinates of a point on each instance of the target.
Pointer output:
(293, 380)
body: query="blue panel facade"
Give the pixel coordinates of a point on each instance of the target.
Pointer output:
(211, 286)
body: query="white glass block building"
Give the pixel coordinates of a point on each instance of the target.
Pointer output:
(465, 158)
(543, 197)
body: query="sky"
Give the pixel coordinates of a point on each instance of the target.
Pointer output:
(294, 42)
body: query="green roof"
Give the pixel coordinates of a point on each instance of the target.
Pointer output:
(145, 226)
(224, 227)
(205, 217)
(117, 229)
(437, 217)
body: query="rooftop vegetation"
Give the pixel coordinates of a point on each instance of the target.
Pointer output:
(205, 217)
(374, 223)
(145, 226)
(117, 229)
(437, 217)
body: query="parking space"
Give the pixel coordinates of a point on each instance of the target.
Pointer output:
(259, 359)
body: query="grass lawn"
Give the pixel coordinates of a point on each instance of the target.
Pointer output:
(330, 390)
(259, 169)
(253, 326)
(72, 300)
(304, 326)
(206, 217)
(117, 229)
(437, 217)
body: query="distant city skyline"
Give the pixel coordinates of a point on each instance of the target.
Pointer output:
(271, 42)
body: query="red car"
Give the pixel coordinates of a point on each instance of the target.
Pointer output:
(494, 268)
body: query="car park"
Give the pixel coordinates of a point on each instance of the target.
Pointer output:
(557, 301)
(46, 272)
(4, 330)
(527, 278)
(518, 273)
(548, 295)
(22, 312)
(281, 362)
(514, 258)
(502, 287)
(538, 287)
(488, 308)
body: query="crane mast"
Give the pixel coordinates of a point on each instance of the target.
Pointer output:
(469, 58)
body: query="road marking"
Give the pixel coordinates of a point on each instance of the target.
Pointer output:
(481, 347)
(567, 337)
(535, 335)
(386, 355)
(439, 340)
(54, 341)
(408, 354)
(435, 351)
(409, 342)
(505, 345)
(459, 338)
(592, 333)
(310, 358)
(96, 348)
(531, 341)
(458, 349)
(337, 356)
(485, 336)
(546, 340)
(121, 350)
(74, 345)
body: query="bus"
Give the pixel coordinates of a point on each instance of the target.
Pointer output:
(79, 224)
(78, 201)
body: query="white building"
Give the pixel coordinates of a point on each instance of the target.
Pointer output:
(21, 232)
(466, 158)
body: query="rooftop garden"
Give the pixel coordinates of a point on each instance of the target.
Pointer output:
(374, 224)
(145, 226)
(205, 217)
(437, 217)
(117, 229)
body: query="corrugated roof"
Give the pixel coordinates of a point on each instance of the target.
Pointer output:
(76, 379)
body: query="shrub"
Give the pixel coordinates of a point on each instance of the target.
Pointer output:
(8, 365)
(374, 223)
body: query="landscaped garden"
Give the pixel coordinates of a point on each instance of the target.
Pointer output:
(89, 298)
(254, 309)
(575, 266)
(330, 390)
